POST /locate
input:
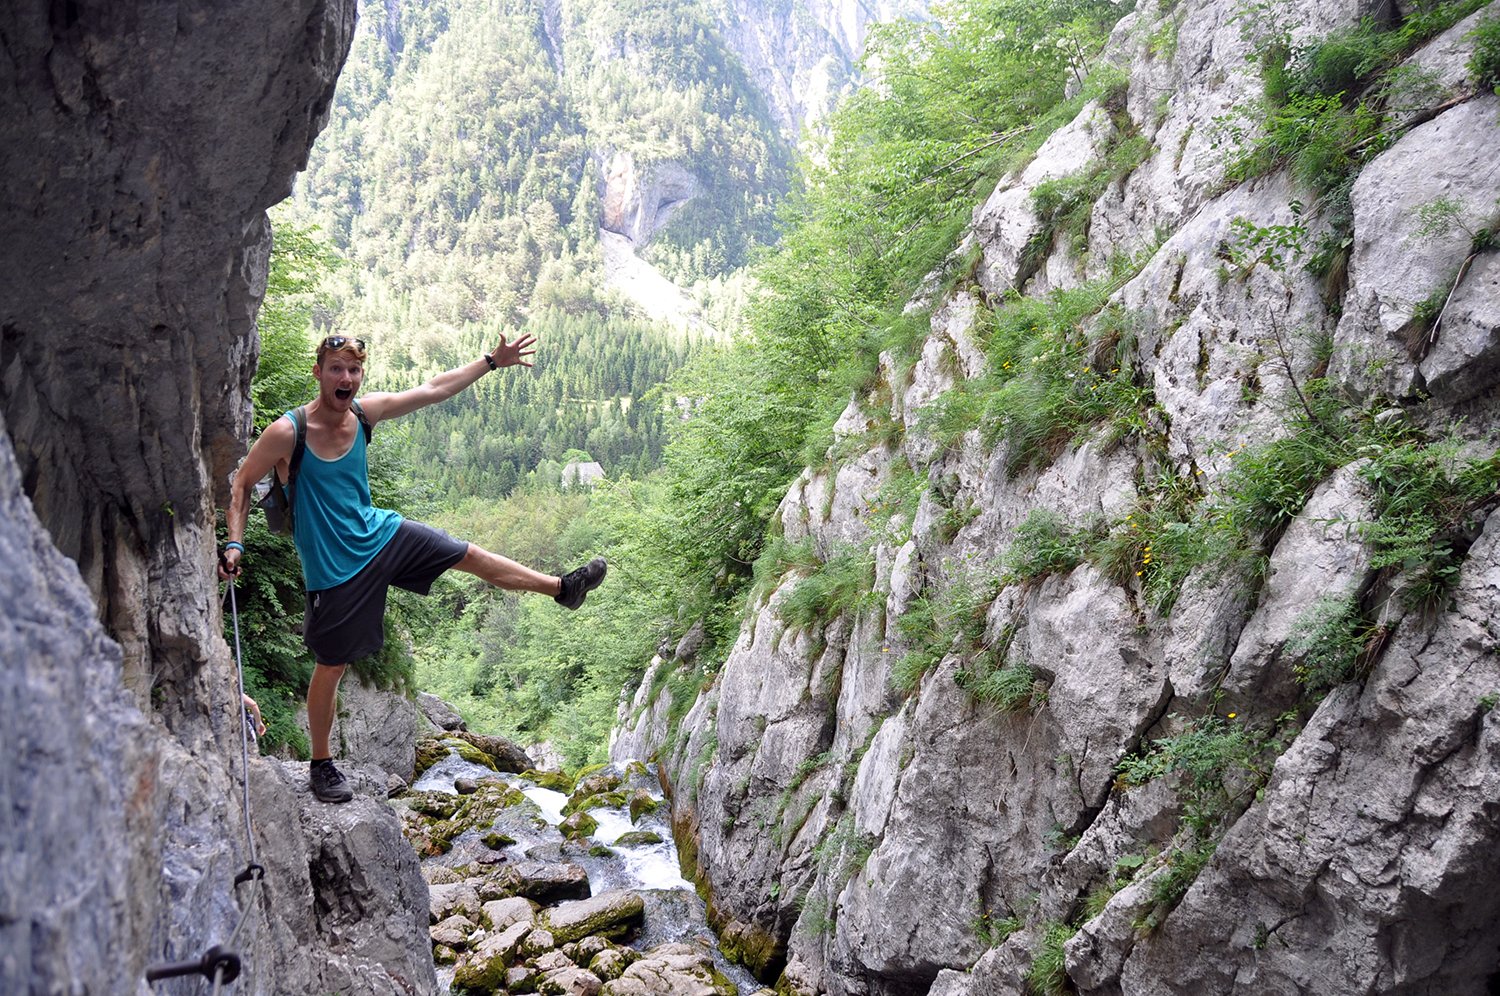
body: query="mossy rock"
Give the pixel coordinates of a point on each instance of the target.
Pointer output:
(477, 977)
(757, 949)
(578, 826)
(638, 838)
(596, 784)
(587, 770)
(641, 803)
(601, 851)
(603, 800)
(485, 806)
(636, 769)
(430, 751)
(438, 805)
(495, 840)
(470, 753)
(442, 954)
(554, 780)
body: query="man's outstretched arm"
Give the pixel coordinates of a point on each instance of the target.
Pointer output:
(383, 405)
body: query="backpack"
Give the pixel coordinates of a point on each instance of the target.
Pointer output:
(274, 496)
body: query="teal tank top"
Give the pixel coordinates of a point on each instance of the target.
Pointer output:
(336, 529)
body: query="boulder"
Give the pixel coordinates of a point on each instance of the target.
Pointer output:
(501, 913)
(439, 713)
(453, 932)
(546, 882)
(610, 914)
(499, 753)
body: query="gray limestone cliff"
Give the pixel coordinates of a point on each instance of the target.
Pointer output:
(142, 144)
(861, 825)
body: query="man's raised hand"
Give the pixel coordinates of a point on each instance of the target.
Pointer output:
(510, 354)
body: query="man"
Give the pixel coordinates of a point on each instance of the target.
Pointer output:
(352, 552)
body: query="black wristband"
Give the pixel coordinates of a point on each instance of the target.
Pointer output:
(491, 361)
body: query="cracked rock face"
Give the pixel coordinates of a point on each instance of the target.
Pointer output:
(142, 145)
(865, 831)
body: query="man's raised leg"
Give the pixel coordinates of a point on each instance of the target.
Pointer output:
(502, 572)
(327, 782)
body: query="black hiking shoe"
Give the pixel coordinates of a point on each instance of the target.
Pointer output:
(577, 584)
(328, 783)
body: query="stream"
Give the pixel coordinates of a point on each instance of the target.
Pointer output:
(674, 912)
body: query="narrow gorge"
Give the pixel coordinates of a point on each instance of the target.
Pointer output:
(1136, 635)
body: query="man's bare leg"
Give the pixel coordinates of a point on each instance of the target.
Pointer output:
(320, 698)
(502, 572)
(327, 783)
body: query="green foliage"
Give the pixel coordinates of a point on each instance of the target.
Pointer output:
(1043, 544)
(817, 918)
(1423, 495)
(1167, 889)
(1484, 64)
(1329, 643)
(843, 852)
(1054, 374)
(1009, 688)
(1268, 484)
(300, 260)
(1065, 205)
(843, 583)
(992, 931)
(1048, 974)
(1323, 108)
(950, 615)
(1218, 759)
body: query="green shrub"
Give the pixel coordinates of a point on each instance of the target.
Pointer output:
(1009, 688)
(1052, 376)
(1484, 64)
(1322, 110)
(843, 583)
(1183, 866)
(1329, 642)
(1048, 975)
(1043, 544)
(1214, 756)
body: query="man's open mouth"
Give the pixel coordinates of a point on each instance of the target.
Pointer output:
(343, 393)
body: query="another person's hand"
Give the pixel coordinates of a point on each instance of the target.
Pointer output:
(253, 708)
(510, 354)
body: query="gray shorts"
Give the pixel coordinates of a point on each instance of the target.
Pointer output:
(346, 623)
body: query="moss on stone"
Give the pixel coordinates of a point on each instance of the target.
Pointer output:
(603, 800)
(578, 826)
(479, 977)
(494, 840)
(601, 851)
(641, 803)
(470, 753)
(760, 951)
(587, 770)
(554, 780)
(638, 838)
(430, 751)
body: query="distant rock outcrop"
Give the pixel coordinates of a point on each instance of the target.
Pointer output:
(638, 201)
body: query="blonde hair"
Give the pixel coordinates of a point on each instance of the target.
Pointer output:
(342, 344)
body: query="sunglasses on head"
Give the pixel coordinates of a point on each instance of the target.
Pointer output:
(340, 341)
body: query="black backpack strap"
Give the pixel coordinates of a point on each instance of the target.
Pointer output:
(364, 422)
(299, 420)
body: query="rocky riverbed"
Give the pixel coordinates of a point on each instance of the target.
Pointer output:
(540, 883)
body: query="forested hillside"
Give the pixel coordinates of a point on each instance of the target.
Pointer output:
(456, 196)
(458, 225)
